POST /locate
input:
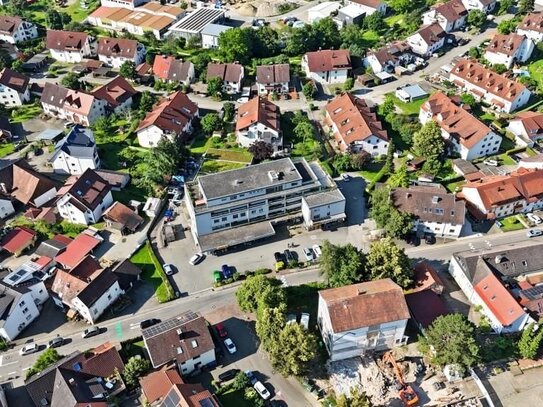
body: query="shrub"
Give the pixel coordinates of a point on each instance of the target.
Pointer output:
(292, 264)
(280, 265)
(262, 271)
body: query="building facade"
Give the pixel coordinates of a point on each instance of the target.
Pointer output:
(14, 88)
(509, 49)
(327, 66)
(114, 52)
(14, 30)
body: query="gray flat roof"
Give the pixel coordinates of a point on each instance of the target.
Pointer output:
(414, 91)
(49, 134)
(324, 198)
(197, 20)
(238, 235)
(248, 178)
(215, 29)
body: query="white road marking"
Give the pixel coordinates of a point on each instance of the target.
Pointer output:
(26, 368)
(10, 363)
(1, 359)
(134, 326)
(10, 373)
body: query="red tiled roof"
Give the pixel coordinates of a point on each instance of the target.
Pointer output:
(425, 278)
(115, 92)
(532, 22)
(452, 10)
(123, 215)
(506, 44)
(157, 384)
(170, 69)
(101, 361)
(77, 250)
(258, 110)
(118, 47)
(431, 34)
(65, 40)
(328, 60)
(531, 121)
(172, 114)
(17, 239)
(63, 239)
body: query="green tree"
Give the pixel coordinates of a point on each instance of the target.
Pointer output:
(375, 22)
(401, 6)
(450, 340)
(348, 85)
(229, 109)
(525, 6)
(468, 99)
(359, 160)
(530, 341)
(251, 396)
(342, 162)
(476, 18)
(128, 70)
(399, 178)
(499, 68)
(265, 42)
(293, 350)
(241, 381)
(236, 45)
(387, 260)
(269, 323)
(53, 19)
(47, 358)
(261, 150)
(146, 101)
(507, 26)
(309, 90)
(427, 142)
(214, 86)
(200, 62)
(355, 399)
(17, 65)
(389, 162)
(210, 123)
(341, 265)
(103, 126)
(133, 369)
(251, 290)
(71, 81)
(325, 34)
(474, 52)
(386, 107)
(505, 5)
(304, 130)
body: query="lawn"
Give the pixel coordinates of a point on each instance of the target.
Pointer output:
(130, 349)
(370, 38)
(213, 166)
(511, 223)
(152, 271)
(241, 156)
(26, 112)
(6, 149)
(395, 19)
(77, 13)
(201, 144)
(454, 186)
(411, 108)
(129, 193)
(371, 172)
(536, 71)
(234, 399)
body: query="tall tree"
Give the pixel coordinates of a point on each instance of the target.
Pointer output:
(214, 86)
(375, 22)
(399, 178)
(210, 123)
(265, 42)
(293, 350)
(325, 34)
(261, 150)
(341, 265)
(530, 341)
(387, 260)
(236, 45)
(71, 81)
(309, 90)
(133, 369)
(395, 223)
(229, 109)
(427, 142)
(251, 290)
(476, 18)
(269, 324)
(128, 70)
(53, 19)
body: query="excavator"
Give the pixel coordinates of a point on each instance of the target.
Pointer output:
(407, 394)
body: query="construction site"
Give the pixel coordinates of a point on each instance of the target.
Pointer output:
(397, 380)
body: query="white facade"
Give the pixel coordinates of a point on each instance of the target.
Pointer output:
(472, 195)
(66, 164)
(322, 10)
(279, 87)
(97, 110)
(129, 4)
(433, 16)
(522, 138)
(45, 197)
(327, 77)
(191, 365)
(6, 208)
(448, 230)
(521, 55)
(150, 136)
(369, 10)
(96, 309)
(535, 36)
(260, 132)
(24, 32)
(372, 145)
(10, 97)
(479, 5)
(73, 214)
(315, 214)
(116, 61)
(72, 57)
(421, 47)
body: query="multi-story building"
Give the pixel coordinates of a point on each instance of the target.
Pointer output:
(527, 128)
(369, 6)
(128, 4)
(486, 6)
(532, 26)
(116, 51)
(14, 30)
(68, 46)
(76, 152)
(14, 89)
(169, 69)
(236, 206)
(327, 66)
(502, 93)
(427, 40)
(273, 78)
(231, 75)
(118, 94)
(451, 15)
(259, 120)
(509, 49)
(389, 57)
(361, 318)
(464, 133)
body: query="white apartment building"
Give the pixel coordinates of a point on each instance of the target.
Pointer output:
(427, 40)
(259, 120)
(97, 297)
(68, 46)
(116, 51)
(128, 4)
(369, 6)
(527, 128)
(324, 207)
(14, 88)
(451, 16)
(509, 49)
(327, 66)
(14, 30)
(75, 153)
(532, 26)
(486, 6)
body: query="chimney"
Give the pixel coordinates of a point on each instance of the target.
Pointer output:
(3, 188)
(71, 380)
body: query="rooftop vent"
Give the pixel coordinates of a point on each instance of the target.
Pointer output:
(274, 175)
(500, 258)
(435, 199)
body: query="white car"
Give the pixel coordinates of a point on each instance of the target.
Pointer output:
(534, 233)
(29, 348)
(491, 163)
(230, 346)
(291, 319)
(534, 218)
(317, 250)
(197, 258)
(168, 269)
(262, 390)
(304, 320)
(308, 253)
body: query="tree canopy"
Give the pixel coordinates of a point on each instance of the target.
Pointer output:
(133, 369)
(249, 293)
(530, 341)
(427, 142)
(261, 150)
(46, 358)
(386, 259)
(395, 223)
(71, 81)
(476, 18)
(210, 123)
(128, 70)
(292, 350)
(236, 45)
(341, 265)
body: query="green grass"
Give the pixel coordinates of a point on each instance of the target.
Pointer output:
(395, 19)
(241, 156)
(451, 186)
(234, 399)
(201, 144)
(6, 149)
(152, 271)
(370, 38)
(213, 166)
(129, 193)
(531, 152)
(371, 171)
(26, 112)
(511, 223)
(411, 108)
(130, 349)
(536, 71)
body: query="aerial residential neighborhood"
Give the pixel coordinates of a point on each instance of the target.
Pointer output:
(287, 203)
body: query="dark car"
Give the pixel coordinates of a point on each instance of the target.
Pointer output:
(149, 322)
(413, 240)
(289, 255)
(228, 375)
(278, 257)
(221, 330)
(430, 239)
(226, 271)
(251, 376)
(55, 342)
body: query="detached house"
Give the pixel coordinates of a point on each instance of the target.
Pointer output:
(509, 49)
(327, 66)
(369, 6)
(464, 133)
(451, 16)
(117, 94)
(171, 118)
(14, 30)
(527, 127)
(361, 318)
(84, 198)
(356, 126)
(76, 152)
(486, 6)
(68, 46)
(169, 69)
(532, 26)
(14, 88)
(427, 40)
(273, 78)
(71, 105)
(389, 57)
(502, 93)
(435, 211)
(184, 339)
(116, 51)
(259, 120)
(231, 75)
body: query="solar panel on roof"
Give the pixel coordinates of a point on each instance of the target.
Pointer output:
(534, 292)
(172, 399)
(207, 403)
(169, 324)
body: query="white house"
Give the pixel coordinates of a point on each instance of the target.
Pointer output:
(484, 275)
(14, 30)
(14, 88)
(503, 94)
(361, 318)
(231, 74)
(68, 46)
(324, 207)
(118, 94)
(273, 78)
(259, 120)
(211, 33)
(397, 53)
(84, 198)
(355, 126)
(465, 134)
(184, 339)
(171, 118)
(369, 6)
(116, 51)
(71, 105)
(20, 182)
(327, 66)
(427, 40)
(76, 152)
(485, 6)
(322, 10)
(527, 128)
(434, 210)
(509, 49)
(451, 16)
(532, 26)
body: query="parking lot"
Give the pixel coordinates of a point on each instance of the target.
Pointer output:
(190, 279)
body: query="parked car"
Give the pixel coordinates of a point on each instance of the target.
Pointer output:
(29, 348)
(56, 342)
(413, 240)
(534, 218)
(92, 331)
(197, 258)
(278, 257)
(289, 255)
(221, 330)
(308, 253)
(304, 320)
(230, 346)
(228, 375)
(217, 276)
(251, 376)
(429, 239)
(149, 322)
(534, 233)
(226, 271)
(492, 163)
(262, 390)
(317, 250)
(168, 269)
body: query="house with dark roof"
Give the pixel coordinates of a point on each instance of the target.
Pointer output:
(427, 40)
(388, 57)
(117, 93)
(451, 16)
(184, 339)
(76, 152)
(362, 317)
(527, 127)
(84, 198)
(114, 52)
(14, 88)
(169, 69)
(68, 46)
(127, 273)
(51, 248)
(231, 74)
(327, 66)
(14, 29)
(509, 49)
(274, 78)
(259, 120)
(498, 279)
(18, 308)
(122, 218)
(171, 118)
